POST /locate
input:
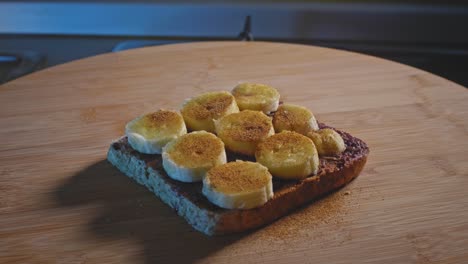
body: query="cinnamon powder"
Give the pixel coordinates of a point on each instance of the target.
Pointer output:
(239, 176)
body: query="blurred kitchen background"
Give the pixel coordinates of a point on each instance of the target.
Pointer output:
(428, 34)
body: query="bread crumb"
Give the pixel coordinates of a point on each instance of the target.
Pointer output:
(347, 193)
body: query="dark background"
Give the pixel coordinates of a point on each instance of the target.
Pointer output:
(431, 35)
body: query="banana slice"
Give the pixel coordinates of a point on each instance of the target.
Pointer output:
(199, 112)
(241, 132)
(189, 157)
(238, 185)
(294, 118)
(259, 97)
(327, 141)
(151, 132)
(288, 155)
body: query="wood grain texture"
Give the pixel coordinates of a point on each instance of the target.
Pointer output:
(60, 201)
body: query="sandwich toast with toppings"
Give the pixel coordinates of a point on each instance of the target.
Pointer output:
(245, 162)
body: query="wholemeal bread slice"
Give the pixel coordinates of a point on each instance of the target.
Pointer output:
(188, 201)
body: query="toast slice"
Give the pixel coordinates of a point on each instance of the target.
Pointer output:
(188, 201)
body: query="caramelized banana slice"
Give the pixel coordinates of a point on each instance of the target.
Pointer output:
(200, 111)
(238, 185)
(259, 97)
(151, 132)
(189, 157)
(288, 155)
(294, 118)
(327, 141)
(241, 132)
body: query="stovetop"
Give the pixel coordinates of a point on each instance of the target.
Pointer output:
(14, 64)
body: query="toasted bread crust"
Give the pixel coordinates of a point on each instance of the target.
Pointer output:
(188, 201)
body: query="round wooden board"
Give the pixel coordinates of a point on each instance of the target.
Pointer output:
(60, 201)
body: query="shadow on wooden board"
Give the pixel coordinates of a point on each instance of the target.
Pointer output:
(130, 211)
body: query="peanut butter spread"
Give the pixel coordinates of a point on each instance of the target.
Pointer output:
(196, 149)
(239, 176)
(208, 106)
(246, 126)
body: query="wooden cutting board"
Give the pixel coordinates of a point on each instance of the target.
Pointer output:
(60, 201)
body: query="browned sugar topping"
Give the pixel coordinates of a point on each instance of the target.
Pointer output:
(207, 106)
(195, 149)
(162, 116)
(248, 126)
(286, 116)
(238, 176)
(284, 139)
